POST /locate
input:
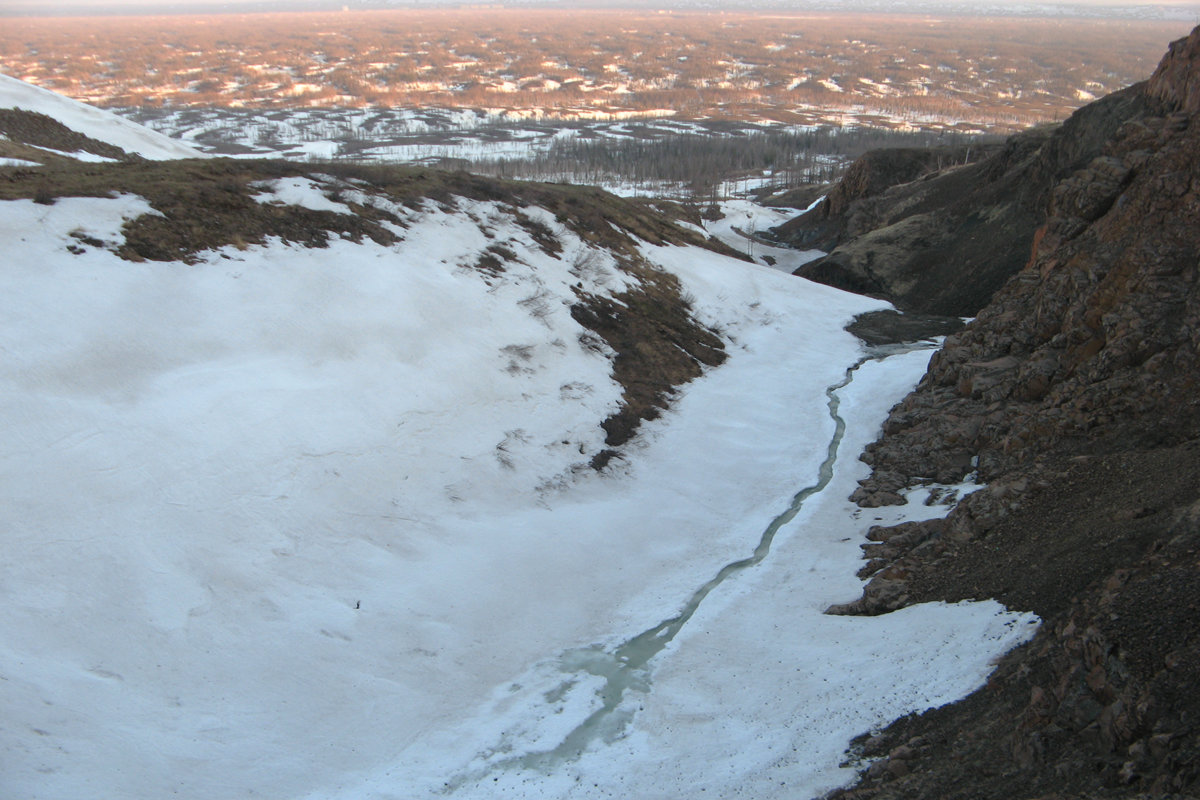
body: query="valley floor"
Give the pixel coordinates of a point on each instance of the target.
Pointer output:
(759, 694)
(285, 529)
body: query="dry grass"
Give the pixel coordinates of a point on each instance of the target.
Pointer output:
(36, 130)
(207, 204)
(658, 344)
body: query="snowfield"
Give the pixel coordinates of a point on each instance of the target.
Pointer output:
(305, 523)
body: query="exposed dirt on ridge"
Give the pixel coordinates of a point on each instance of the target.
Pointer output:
(207, 204)
(218, 191)
(1075, 395)
(40, 131)
(658, 346)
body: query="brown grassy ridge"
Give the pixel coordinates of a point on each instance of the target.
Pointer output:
(658, 346)
(38, 132)
(207, 204)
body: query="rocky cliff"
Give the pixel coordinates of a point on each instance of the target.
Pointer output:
(940, 232)
(1074, 396)
(845, 211)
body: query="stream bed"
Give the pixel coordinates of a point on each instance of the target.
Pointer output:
(580, 711)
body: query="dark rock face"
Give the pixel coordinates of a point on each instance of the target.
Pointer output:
(1075, 395)
(835, 220)
(1095, 344)
(1176, 82)
(939, 236)
(891, 327)
(1102, 702)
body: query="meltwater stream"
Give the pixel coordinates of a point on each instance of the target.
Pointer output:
(627, 666)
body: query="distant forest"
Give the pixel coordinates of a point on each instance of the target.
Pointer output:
(698, 165)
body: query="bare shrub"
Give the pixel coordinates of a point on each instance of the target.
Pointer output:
(586, 265)
(504, 447)
(593, 343)
(519, 357)
(538, 305)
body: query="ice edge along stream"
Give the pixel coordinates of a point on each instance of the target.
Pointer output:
(626, 666)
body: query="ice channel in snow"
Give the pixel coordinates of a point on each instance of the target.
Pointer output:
(310, 524)
(741, 219)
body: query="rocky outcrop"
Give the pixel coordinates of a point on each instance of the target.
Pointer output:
(840, 215)
(1101, 702)
(1091, 347)
(1074, 395)
(1176, 82)
(944, 241)
(891, 327)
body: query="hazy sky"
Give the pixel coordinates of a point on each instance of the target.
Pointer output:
(59, 7)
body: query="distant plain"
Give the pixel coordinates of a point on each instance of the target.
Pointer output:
(998, 74)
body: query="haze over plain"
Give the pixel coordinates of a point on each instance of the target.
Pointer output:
(1166, 9)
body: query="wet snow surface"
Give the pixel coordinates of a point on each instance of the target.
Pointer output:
(313, 524)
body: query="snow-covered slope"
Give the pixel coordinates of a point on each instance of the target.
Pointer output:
(300, 522)
(93, 122)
